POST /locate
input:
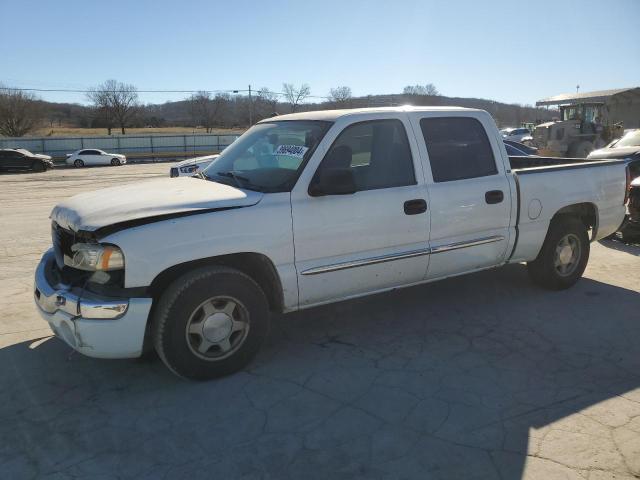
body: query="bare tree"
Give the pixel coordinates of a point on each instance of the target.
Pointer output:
(340, 95)
(206, 109)
(429, 90)
(295, 95)
(20, 112)
(269, 101)
(102, 103)
(116, 101)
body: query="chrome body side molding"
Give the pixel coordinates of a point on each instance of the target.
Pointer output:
(400, 256)
(470, 243)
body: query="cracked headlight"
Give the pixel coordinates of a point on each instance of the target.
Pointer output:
(94, 256)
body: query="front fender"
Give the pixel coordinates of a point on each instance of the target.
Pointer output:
(264, 228)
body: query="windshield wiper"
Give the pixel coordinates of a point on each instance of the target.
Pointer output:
(235, 176)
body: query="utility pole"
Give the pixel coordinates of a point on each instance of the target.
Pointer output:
(235, 105)
(250, 108)
(577, 88)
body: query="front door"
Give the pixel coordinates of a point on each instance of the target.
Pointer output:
(18, 160)
(375, 238)
(469, 190)
(91, 157)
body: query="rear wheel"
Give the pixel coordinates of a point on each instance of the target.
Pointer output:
(78, 163)
(210, 322)
(115, 162)
(564, 254)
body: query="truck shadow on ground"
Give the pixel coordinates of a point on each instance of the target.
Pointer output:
(482, 376)
(632, 248)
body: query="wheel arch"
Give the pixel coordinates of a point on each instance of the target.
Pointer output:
(256, 265)
(587, 212)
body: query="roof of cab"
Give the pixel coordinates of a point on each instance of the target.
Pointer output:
(333, 115)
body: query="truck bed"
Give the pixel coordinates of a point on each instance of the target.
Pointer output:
(546, 185)
(538, 164)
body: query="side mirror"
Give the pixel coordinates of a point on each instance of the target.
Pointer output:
(333, 181)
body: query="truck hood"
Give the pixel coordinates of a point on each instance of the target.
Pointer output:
(42, 156)
(154, 199)
(621, 152)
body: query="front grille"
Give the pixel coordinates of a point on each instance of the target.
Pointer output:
(173, 172)
(62, 240)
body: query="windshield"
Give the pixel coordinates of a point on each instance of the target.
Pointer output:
(24, 151)
(631, 139)
(269, 156)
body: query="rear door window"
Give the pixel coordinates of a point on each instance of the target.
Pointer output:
(458, 148)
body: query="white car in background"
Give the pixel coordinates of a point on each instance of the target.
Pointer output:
(93, 156)
(520, 135)
(191, 166)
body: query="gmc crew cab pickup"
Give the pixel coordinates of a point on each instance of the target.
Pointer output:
(308, 209)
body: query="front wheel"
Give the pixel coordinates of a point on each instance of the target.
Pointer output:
(115, 162)
(210, 322)
(564, 254)
(78, 163)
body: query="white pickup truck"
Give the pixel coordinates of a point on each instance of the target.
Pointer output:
(307, 209)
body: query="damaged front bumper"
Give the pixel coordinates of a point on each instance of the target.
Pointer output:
(94, 325)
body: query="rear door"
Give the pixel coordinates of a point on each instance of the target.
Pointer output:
(376, 238)
(82, 155)
(469, 191)
(5, 160)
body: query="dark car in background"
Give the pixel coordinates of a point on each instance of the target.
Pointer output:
(19, 159)
(517, 149)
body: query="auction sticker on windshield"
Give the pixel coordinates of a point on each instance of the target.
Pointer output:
(296, 151)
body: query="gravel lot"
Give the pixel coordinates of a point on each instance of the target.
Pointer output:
(483, 376)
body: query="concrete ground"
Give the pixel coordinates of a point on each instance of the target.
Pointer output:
(477, 377)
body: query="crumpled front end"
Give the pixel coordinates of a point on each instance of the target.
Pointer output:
(97, 325)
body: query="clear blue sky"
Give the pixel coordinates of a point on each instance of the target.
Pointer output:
(503, 50)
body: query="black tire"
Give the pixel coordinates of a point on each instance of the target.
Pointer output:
(78, 163)
(184, 298)
(543, 271)
(115, 162)
(38, 166)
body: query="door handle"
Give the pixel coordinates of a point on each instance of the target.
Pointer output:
(494, 196)
(414, 207)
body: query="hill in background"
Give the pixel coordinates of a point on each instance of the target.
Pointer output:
(233, 112)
